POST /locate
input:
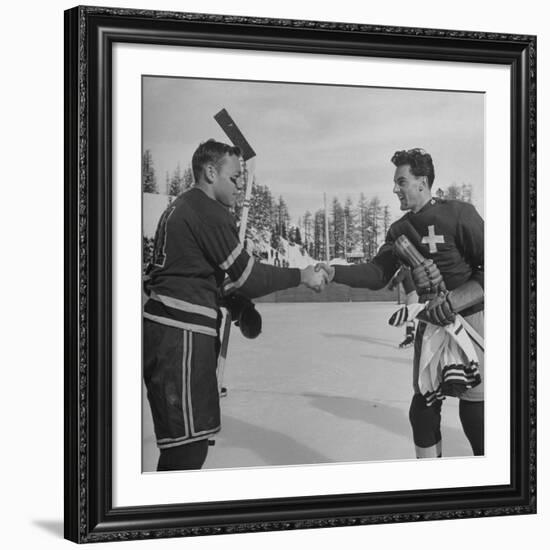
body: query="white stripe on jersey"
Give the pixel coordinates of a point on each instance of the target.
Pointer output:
(184, 306)
(178, 324)
(242, 279)
(169, 443)
(232, 257)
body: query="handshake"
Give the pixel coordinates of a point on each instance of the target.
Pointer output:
(316, 277)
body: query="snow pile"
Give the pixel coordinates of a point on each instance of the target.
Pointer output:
(339, 261)
(287, 254)
(296, 255)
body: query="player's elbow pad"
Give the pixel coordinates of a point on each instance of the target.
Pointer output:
(465, 296)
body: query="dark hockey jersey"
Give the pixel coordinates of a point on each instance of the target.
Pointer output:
(196, 245)
(448, 231)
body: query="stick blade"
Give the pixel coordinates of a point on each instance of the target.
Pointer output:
(234, 134)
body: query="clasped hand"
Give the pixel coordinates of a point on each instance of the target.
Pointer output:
(316, 277)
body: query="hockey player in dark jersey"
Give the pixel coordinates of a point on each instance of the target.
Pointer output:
(196, 246)
(449, 234)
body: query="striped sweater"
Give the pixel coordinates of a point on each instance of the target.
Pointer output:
(196, 245)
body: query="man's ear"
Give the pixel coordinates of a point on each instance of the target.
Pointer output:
(210, 173)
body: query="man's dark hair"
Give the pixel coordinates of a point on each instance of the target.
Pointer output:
(211, 152)
(420, 162)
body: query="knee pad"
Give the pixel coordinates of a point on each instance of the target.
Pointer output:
(425, 422)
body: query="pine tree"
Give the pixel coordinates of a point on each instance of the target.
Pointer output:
(374, 211)
(274, 242)
(351, 226)
(260, 216)
(386, 219)
(466, 192)
(148, 244)
(281, 218)
(261, 206)
(187, 179)
(364, 224)
(461, 192)
(308, 229)
(319, 244)
(149, 180)
(298, 237)
(452, 192)
(292, 234)
(338, 228)
(175, 186)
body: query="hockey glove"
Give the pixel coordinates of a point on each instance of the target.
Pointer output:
(250, 322)
(244, 314)
(439, 310)
(427, 277)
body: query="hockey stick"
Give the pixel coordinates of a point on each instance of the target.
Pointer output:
(235, 135)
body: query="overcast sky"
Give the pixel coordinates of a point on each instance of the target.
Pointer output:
(314, 139)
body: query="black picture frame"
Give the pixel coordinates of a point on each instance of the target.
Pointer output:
(90, 33)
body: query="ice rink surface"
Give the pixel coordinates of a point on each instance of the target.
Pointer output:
(324, 382)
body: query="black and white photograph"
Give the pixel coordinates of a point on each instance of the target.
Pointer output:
(300, 274)
(228, 206)
(313, 273)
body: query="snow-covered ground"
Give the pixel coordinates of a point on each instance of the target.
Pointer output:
(324, 382)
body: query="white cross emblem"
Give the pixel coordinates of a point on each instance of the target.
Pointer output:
(432, 239)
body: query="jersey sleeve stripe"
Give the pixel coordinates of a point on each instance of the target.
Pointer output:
(238, 267)
(242, 279)
(182, 305)
(231, 258)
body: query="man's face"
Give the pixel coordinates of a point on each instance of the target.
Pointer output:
(227, 180)
(409, 188)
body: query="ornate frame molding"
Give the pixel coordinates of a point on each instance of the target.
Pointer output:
(89, 34)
